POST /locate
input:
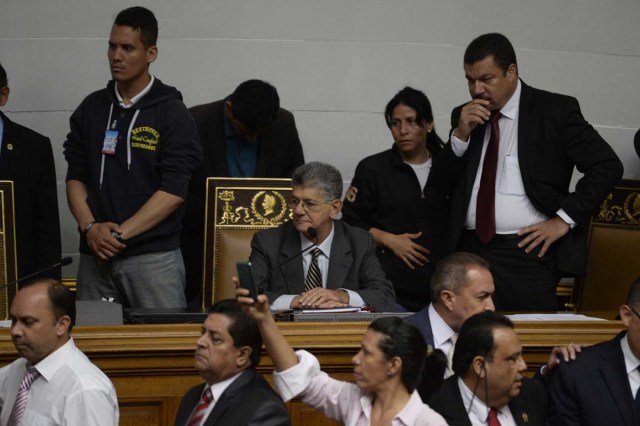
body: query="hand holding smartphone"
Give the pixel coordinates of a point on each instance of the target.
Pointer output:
(245, 275)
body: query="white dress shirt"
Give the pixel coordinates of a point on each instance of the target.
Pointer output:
(479, 412)
(513, 209)
(70, 391)
(216, 391)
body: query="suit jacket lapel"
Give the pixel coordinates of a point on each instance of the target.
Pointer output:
(228, 397)
(454, 410)
(341, 258)
(525, 133)
(292, 272)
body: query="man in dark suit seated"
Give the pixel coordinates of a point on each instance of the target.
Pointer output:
(601, 387)
(234, 393)
(246, 134)
(26, 159)
(513, 205)
(488, 386)
(339, 266)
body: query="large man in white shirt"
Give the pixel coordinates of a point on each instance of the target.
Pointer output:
(512, 205)
(52, 382)
(488, 387)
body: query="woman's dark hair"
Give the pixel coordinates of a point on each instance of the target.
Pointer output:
(405, 341)
(417, 101)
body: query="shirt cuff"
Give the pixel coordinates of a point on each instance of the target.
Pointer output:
(283, 302)
(458, 146)
(564, 216)
(293, 381)
(354, 298)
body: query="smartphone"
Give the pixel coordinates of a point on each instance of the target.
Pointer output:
(245, 275)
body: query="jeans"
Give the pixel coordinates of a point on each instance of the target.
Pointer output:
(152, 280)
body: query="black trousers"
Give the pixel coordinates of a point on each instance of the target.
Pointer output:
(524, 281)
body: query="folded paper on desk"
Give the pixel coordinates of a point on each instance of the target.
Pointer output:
(553, 317)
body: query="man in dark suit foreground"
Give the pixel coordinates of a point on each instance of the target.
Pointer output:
(26, 159)
(234, 393)
(513, 205)
(339, 266)
(488, 386)
(600, 386)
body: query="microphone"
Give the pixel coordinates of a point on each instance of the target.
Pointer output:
(311, 231)
(63, 262)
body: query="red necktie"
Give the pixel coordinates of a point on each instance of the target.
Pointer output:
(486, 202)
(198, 414)
(493, 417)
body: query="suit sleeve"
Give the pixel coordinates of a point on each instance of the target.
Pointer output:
(296, 156)
(261, 265)
(593, 157)
(375, 288)
(564, 407)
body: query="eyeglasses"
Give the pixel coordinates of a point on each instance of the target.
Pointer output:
(307, 205)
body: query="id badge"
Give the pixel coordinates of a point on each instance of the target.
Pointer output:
(110, 142)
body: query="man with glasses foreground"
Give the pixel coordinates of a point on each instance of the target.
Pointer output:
(315, 261)
(602, 385)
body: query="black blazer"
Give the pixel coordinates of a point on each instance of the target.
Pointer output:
(353, 264)
(529, 407)
(593, 390)
(553, 138)
(249, 400)
(279, 154)
(27, 160)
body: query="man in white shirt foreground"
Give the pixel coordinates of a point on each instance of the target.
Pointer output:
(52, 382)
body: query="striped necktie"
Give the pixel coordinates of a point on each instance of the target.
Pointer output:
(314, 276)
(453, 339)
(23, 396)
(197, 417)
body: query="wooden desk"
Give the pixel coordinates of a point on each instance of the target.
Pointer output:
(151, 366)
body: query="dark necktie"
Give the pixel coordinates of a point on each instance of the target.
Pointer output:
(486, 202)
(314, 276)
(23, 396)
(201, 409)
(493, 417)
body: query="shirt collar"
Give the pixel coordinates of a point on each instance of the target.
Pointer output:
(137, 97)
(631, 362)
(512, 107)
(48, 366)
(218, 388)
(479, 409)
(441, 330)
(325, 246)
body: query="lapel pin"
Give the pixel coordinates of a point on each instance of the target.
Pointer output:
(10, 147)
(525, 417)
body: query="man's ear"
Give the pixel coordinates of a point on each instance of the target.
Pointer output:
(478, 365)
(448, 299)
(152, 54)
(4, 95)
(244, 357)
(62, 325)
(336, 207)
(228, 109)
(626, 315)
